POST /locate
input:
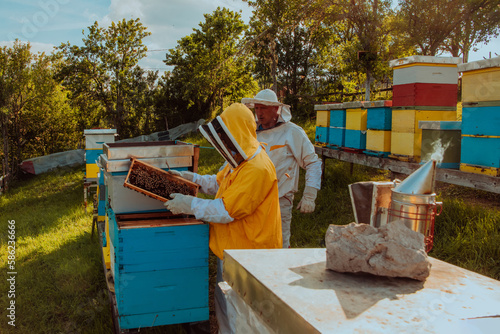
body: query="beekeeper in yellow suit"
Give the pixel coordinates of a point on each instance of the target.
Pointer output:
(289, 148)
(245, 213)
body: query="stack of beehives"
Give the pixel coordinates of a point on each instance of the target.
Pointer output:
(158, 261)
(378, 124)
(481, 117)
(425, 88)
(94, 141)
(330, 125)
(355, 126)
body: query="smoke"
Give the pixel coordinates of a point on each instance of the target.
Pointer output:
(438, 149)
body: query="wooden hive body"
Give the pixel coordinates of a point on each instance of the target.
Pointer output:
(160, 269)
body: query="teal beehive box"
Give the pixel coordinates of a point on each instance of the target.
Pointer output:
(336, 137)
(159, 264)
(355, 139)
(321, 136)
(379, 114)
(337, 115)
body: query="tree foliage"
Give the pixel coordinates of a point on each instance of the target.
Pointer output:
(103, 74)
(455, 26)
(34, 114)
(206, 72)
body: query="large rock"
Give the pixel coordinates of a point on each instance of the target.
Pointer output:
(392, 250)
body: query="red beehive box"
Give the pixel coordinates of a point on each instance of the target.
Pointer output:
(425, 94)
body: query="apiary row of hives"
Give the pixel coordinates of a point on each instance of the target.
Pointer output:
(481, 117)
(158, 261)
(421, 119)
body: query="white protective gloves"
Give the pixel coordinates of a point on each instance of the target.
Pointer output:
(184, 174)
(307, 203)
(179, 204)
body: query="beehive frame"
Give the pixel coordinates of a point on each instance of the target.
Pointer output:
(189, 188)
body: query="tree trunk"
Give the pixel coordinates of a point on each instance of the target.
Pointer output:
(274, 66)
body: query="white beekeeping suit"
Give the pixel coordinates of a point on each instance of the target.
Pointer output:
(289, 148)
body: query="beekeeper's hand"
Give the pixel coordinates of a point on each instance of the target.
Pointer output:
(184, 174)
(179, 204)
(307, 203)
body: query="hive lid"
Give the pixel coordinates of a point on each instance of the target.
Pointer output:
(425, 59)
(328, 106)
(480, 64)
(87, 132)
(353, 104)
(377, 104)
(420, 182)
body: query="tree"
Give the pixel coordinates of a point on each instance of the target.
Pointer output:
(104, 70)
(206, 74)
(428, 23)
(371, 29)
(483, 25)
(34, 114)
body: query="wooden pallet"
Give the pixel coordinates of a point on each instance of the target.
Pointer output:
(404, 158)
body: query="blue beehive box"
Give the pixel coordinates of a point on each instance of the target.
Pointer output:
(101, 200)
(337, 115)
(481, 121)
(336, 136)
(355, 139)
(482, 151)
(321, 135)
(337, 118)
(481, 134)
(379, 115)
(160, 269)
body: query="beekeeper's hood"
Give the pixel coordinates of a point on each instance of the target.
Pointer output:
(268, 97)
(233, 134)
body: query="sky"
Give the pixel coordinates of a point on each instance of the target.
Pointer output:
(48, 23)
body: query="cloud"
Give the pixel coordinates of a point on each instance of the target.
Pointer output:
(168, 21)
(36, 47)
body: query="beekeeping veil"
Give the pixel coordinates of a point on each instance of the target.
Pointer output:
(269, 98)
(233, 134)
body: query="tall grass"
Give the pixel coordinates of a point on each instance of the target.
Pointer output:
(60, 285)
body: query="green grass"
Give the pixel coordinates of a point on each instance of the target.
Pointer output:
(60, 285)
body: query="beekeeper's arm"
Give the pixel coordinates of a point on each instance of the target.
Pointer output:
(307, 159)
(208, 210)
(208, 183)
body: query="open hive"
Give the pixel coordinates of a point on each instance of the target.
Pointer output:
(157, 183)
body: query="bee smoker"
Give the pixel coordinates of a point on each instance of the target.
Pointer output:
(413, 201)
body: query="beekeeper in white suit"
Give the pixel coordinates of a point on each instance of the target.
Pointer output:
(289, 148)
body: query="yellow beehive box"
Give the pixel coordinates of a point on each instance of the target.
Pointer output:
(406, 121)
(91, 171)
(106, 249)
(355, 119)
(481, 80)
(491, 171)
(378, 140)
(323, 118)
(406, 144)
